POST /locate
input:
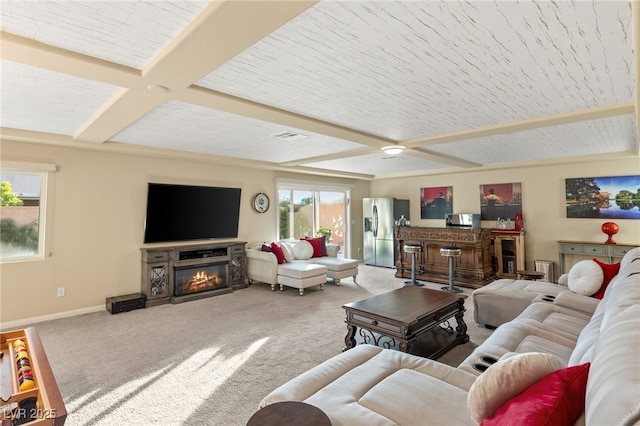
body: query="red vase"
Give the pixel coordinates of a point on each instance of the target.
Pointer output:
(610, 228)
(519, 222)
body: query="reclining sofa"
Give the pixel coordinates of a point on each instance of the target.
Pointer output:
(563, 360)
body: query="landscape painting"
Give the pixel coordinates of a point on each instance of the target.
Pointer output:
(500, 200)
(435, 202)
(609, 197)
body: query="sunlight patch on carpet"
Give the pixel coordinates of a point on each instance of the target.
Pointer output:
(181, 388)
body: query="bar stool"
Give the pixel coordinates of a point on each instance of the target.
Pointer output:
(451, 252)
(413, 249)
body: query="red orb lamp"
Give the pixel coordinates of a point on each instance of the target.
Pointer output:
(611, 229)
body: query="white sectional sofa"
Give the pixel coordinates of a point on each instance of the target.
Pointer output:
(264, 267)
(515, 373)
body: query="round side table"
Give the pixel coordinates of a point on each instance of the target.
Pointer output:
(289, 413)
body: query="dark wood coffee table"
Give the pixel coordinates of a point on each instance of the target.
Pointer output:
(411, 319)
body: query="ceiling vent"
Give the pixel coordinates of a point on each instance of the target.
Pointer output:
(289, 136)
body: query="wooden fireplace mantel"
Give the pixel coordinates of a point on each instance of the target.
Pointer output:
(473, 269)
(159, 261)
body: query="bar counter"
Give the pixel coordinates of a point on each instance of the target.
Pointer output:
(473, 269)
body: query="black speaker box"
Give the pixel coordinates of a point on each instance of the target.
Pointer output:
(126, 303)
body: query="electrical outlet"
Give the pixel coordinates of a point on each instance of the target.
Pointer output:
(60, 291)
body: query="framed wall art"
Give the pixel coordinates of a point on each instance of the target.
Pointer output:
(436, 202)
(500, 200)
(607, 197)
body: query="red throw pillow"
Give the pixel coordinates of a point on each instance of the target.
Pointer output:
(610, 270)
(557, 399)
(316, 243)
(278, 252)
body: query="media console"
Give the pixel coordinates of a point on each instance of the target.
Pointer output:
(175, 274)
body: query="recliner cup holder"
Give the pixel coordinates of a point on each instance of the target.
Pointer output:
(548, 298)
(480, 367)
(489, 359)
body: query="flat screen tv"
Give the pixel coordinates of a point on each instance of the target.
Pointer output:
(188, 212)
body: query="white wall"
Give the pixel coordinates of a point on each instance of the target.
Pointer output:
(543, 203)
(95, 219)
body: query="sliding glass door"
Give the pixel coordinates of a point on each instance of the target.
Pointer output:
(306, 211)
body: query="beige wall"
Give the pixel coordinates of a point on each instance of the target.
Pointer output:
(97, 205)
(95, 218)
(543, 193)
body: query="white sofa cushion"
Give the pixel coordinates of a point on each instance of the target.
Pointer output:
(612, 390)
(368, 385)
(303, 250)
(506, 379)
(503, 300)
(336, 264)
(585, 277)
(287, 252)
(301, 270)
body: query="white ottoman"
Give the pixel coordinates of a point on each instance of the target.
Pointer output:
(301, 276)
(338, 268)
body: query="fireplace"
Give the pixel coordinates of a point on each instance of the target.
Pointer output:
(181, 274)
(199, 278)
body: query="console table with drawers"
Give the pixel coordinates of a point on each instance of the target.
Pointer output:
(582, 248)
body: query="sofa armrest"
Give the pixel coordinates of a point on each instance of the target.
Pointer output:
(333, 250)
(262, 266)
(261, 255)
(577, 302)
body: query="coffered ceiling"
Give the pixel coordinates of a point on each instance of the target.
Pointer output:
(459, 84)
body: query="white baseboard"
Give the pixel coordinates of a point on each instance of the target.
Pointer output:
(22, 323)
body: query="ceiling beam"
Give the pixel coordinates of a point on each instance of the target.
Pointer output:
(221, 31)
(52, 139)
(529, 124)
(441, 158)
(19, 49)
(235, 105)
(218, 34)
(329, 157)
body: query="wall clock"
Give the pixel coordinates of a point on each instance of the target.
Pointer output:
(261, 202)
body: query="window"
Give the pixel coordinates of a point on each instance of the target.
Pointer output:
(307, 210)
(22, 212)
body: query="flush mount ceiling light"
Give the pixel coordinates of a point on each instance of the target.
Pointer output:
(393, 149)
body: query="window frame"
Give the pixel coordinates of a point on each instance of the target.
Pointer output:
(33, 169)
(316, 187)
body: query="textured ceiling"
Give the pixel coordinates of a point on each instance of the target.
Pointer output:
(459, 84)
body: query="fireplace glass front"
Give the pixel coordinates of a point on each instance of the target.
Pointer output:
(199, 278)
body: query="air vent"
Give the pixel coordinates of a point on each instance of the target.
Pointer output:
(289, 136)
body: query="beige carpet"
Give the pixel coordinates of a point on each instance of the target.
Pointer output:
(206, 362)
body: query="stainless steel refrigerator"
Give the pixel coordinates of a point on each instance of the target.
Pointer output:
(380, 215)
